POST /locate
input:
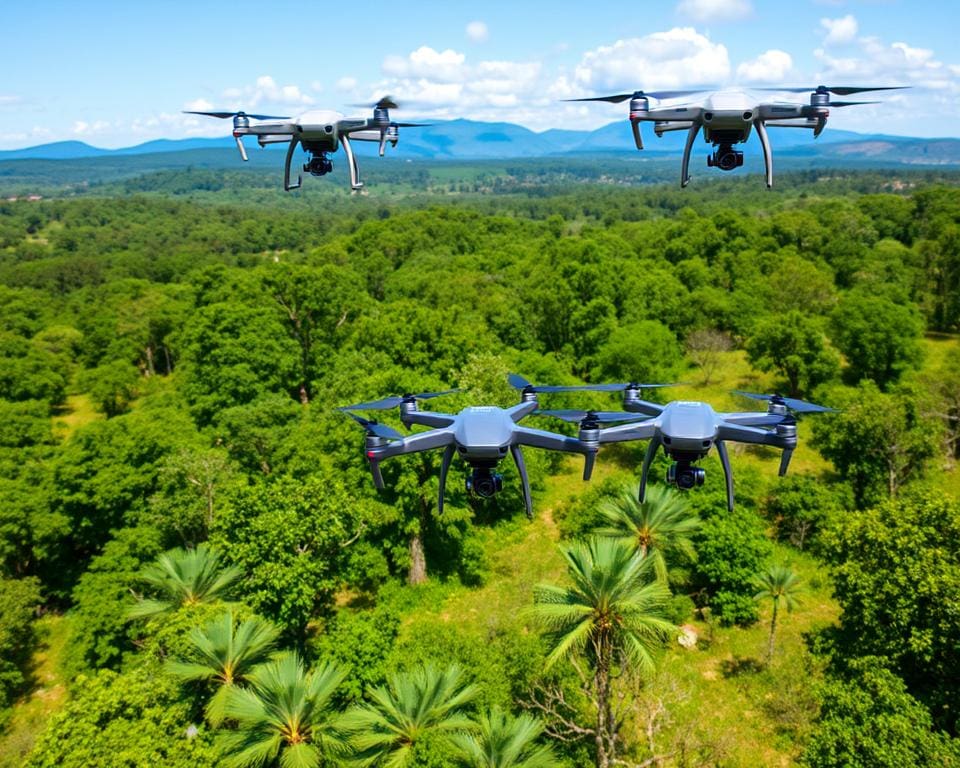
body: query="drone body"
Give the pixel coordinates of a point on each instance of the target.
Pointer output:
(480, 435)
(320, 132)
(687, 430)
(727, 117)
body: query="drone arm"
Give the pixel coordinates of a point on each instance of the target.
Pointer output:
(634, 430)
(355, 182)
(422, 441)
(647, 461)
(428, 419)
(727, 471)
(685, 166)
(444, 468)
(540, 438)
(287, 186)
(520, 410)
(524, 480)
(767, 152)
(746, 434)
(754, 419)
(642, 406)
(666, 126)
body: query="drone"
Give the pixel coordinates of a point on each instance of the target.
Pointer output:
(481, 435)
(727, 117)
(319, 132)
(687, 430)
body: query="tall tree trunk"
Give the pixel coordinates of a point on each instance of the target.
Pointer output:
(604, 736)
(418, 560)
(773, 629)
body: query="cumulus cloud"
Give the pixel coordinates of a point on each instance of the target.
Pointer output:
(898, 63)
(346, 84)
(266, 91)
(83, 128)
(773, 66)
(441, 66)
(840, 31)
(706, 11)
(477, 31)
(199, 105)
(675, 58)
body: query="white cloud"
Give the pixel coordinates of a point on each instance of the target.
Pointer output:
(266, 91)
(199, 105)
(706, 11)
(675, 58)
(442, 66)
(772, 66)
(83, 128)
(477, 31)
(840, 31)
(9, 100)
(879, 63)
(346, 84)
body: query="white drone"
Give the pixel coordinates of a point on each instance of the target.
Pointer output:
(319, 132)
(726, 118)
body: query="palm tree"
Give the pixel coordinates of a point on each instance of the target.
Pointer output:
(781, 584)
(285, 713)
(219, 652)
(502, 741)
(660, 526)
(412, 704)
(183, 577)
(612, 615)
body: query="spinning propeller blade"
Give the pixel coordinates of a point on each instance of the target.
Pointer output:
(223, 115)
(601, 417)
(393, 401)
(384, 102)
(375, 428)
(619, 97)
(852, 103)
(798, 406)
(424, 125)
(838, 90)
(518, 382)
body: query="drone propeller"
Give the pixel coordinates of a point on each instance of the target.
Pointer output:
(384, 102)
(619, 97)
(424, 125)
(599, 417)
(852, 103)
(393, 401)
(838, 90)
(224, 115)
(518, 382)
(798, 406)
(375, 428)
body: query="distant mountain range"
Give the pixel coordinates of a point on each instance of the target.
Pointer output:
(471, 140)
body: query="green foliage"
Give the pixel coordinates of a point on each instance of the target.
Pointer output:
(112, 386)
(427, 701)
(878, 441)
(19, 599)
(503, 741)
(97, 724)
(868, 720)
(292, 541)
(29, 372)
(879, 337)
(284, 715)
(225, 652)
(782, 586)
(800, 505)
(896, 575)
(184, 577)
(731, 550)
(643, 351)
(659, 528)
(793, 346)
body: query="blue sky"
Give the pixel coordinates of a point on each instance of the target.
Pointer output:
(116, 74)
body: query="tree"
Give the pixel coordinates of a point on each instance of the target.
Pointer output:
(19, 599)
(427, 701)
(793, 345)
(896, 575)
(502, 741)
(705, 347)
(799, 505)
(643, 351)
(285, 714)
(868, 720)
(184, 577)
(781, 585)
(225, 652)
(612, 616)
(877, 442)
(879, 338)
(658, 527)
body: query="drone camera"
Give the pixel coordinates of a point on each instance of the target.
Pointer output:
(484, 483)
(726, 158)
(685, 477)
(319, 165)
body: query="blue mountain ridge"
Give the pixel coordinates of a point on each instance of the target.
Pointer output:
(472, 140)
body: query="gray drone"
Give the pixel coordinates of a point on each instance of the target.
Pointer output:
(687, 430)
(319, 132)
(480, 435)
(726, 118)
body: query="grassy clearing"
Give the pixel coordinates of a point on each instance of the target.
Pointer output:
(47, 694)
(77, 412)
